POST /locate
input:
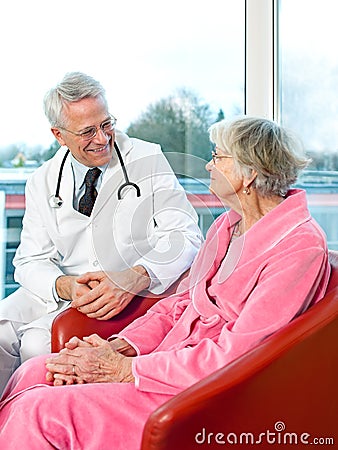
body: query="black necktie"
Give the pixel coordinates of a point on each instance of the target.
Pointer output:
(87, 201)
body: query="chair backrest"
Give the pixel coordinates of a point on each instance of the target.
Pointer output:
(289, 380)
(333, 258)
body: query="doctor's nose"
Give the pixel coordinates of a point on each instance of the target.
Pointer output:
(102, 136)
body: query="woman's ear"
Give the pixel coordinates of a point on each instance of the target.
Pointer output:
(58, 136)
(247, 181)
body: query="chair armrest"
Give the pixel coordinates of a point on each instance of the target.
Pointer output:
(290, 378)
(71, 322)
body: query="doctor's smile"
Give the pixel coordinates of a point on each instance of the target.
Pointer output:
(98, 150)
(101, 152)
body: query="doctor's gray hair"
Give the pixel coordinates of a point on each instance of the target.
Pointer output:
(72, 88)
(261, 145)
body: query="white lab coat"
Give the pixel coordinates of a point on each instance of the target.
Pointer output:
(158, 229)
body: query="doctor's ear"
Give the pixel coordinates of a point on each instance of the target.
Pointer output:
(58, 136)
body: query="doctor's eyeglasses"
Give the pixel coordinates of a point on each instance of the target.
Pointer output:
(90, 132)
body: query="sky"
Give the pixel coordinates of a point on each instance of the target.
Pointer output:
(139, 50)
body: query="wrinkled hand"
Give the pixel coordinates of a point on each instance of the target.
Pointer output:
(110, 293)
(117, 344)
(92, 360)
(123, 347)
(68, 288)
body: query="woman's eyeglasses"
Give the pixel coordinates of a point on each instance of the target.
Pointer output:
(216, 157)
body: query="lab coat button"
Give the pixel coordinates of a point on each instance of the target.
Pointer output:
(95, 263)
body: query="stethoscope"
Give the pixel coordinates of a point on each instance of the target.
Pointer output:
(56, 201)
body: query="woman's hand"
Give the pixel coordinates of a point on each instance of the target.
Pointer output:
(123, 347)
(92, 360)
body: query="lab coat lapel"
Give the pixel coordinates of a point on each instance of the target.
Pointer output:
(113, 176)
(66, 212)
(67, 185)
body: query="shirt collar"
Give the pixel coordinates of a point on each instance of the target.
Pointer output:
(80, 170)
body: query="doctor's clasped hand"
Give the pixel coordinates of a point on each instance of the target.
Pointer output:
(102, 295)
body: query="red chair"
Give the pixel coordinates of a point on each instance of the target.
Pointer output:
(284, 391)
(71, 322)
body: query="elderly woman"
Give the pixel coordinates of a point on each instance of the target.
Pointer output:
(263, 263)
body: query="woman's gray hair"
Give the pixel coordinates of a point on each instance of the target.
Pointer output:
(74, 87)
(261, 145)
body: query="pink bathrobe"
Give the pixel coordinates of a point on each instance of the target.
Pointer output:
(237, 294)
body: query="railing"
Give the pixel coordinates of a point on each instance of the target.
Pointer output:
(321, 188)
(322, 193)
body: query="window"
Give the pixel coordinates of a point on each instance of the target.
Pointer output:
(308, 103)
(188, 56)
(273, 58)
(309, 75)
(141, 51)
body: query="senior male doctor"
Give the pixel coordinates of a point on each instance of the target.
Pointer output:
(105, 219)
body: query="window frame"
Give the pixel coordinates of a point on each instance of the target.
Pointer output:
(261, 59)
